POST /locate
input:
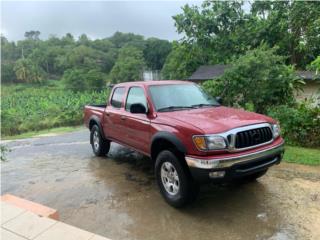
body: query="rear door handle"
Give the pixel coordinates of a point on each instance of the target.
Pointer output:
(123, 117)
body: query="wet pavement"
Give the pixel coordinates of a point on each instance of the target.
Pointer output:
(117, 197)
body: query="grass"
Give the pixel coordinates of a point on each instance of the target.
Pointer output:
(42, 132)
(307, 156)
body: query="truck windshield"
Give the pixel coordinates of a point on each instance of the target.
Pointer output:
(174, 97)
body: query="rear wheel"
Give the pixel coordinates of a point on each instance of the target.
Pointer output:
(99, 145)
(175, 183)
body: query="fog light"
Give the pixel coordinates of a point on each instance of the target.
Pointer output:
(218, 174)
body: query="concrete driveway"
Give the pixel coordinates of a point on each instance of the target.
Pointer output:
(117, 197)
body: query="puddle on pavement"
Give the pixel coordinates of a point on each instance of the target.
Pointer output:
(117, 197)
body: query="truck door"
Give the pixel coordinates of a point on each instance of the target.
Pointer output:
(136, 126)
(112, 115)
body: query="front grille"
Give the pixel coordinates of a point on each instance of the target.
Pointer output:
(253, 137)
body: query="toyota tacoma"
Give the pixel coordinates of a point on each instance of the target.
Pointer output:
(190, 136)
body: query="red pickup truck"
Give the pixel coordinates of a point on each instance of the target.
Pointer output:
(191, 137)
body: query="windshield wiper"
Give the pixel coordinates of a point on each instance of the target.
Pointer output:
(204, 105)
(173, 108)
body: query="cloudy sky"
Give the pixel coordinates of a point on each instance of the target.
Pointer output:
(98, 19)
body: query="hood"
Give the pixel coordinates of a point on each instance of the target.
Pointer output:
(216, 120)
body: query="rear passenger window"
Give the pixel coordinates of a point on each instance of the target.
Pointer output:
(117, 97)
(136, 95)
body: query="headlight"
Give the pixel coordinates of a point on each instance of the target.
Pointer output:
(276, 130)
(210, 142)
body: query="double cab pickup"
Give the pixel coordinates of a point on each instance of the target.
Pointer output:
(190, 136)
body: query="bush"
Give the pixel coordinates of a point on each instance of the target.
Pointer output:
(300, 124)
(259, 78)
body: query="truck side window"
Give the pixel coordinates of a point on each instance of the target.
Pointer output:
(117, 97)
(135, 95)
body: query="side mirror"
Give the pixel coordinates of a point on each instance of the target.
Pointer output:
(138, 108)
(219, 100)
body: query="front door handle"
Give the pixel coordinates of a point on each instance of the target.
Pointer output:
(108, 114)
(123, 117)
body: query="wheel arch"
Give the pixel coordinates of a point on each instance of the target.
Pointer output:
(95, 120)
(164, 141)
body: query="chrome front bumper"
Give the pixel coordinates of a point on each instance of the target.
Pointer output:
(217, 163)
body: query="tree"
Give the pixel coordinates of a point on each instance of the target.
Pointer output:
(120, 40)
(75, 79)
(32, 35)
(182, 61)
(80, 79)
(129, 65)
(7, 72)
(291, 25)
(109, 51)
(95, 79)
(84, 40)
(224, 31)
(84, 57)
(68, 39)
(8, 56)
(211, 27)
(156, 52)
(27, 71)
(260, 78)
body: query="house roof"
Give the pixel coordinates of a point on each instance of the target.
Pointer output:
(208, 72)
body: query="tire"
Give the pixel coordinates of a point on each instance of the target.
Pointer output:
(100, 146)
(254, 177)
(175, 182)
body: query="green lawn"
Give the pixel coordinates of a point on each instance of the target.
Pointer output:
(308, 156)
(42, 132)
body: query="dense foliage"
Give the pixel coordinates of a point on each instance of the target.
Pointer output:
(79, 79)
(222, 30)
(33, 60)
(182, 61)
(299, 124)
(259, 77)
(34, 108)
(129, 65)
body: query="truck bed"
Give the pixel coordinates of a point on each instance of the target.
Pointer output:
(95, 110)
(97, 105)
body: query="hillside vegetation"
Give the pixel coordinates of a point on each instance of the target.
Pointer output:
(32, 108)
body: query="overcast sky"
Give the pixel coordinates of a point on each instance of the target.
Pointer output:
(96, 19)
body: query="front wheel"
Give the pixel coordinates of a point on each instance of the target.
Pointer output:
(176, 185)
(99, 145)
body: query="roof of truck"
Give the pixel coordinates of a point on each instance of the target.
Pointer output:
(149, 83)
